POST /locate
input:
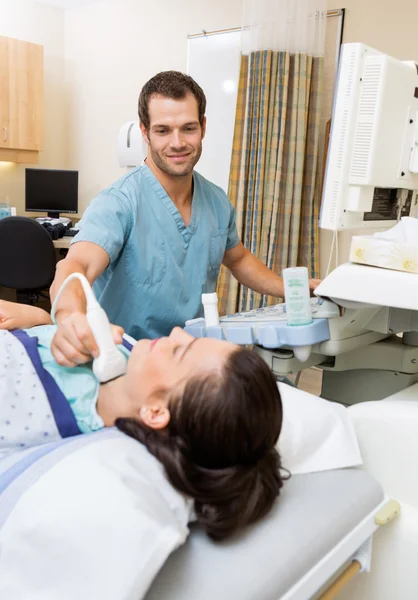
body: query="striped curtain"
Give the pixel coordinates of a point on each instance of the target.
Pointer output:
(274, 184)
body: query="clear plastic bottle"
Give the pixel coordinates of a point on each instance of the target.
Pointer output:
(5, 210)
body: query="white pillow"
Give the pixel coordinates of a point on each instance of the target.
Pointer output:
(98, 523)
(317, 435)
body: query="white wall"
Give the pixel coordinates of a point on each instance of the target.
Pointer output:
(389, 26)
(32, 21)
(112, 48)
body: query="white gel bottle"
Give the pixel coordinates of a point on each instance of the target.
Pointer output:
(298, 303)
(297, 296)
(210, 307)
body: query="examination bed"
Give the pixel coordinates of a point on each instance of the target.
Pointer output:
(94, 517)
(316, 528)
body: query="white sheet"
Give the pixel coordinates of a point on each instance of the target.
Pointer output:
(99, 524)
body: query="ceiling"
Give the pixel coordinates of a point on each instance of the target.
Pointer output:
(65, 4)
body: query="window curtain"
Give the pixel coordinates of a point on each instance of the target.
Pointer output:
(274, 180)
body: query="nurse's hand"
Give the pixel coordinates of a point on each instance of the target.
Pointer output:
(313, 284)
(74, 344)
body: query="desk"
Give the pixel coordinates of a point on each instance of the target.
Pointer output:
(63, 243)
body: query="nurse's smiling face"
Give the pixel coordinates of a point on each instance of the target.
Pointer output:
(175, 135)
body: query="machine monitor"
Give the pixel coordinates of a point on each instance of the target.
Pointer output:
(371, 177)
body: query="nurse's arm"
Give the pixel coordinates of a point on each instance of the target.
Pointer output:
(254, 274)
(83, 257)
(74, 343)
(251, 272)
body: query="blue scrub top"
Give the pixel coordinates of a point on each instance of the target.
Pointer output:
(158, 268)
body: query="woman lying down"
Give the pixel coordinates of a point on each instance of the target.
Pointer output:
(208, 410)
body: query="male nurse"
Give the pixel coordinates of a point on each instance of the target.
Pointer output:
(154, 241)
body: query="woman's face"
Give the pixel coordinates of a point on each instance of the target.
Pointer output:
(158, 366)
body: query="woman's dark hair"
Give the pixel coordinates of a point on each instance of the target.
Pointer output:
(171, 84)
(219, 447)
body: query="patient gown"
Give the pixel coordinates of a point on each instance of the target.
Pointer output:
(40, 401)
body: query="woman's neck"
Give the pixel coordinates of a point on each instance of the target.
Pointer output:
(113, 401)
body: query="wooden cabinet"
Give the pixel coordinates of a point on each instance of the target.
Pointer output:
(21, 100)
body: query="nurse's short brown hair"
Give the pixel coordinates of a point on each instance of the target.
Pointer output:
(170, 84)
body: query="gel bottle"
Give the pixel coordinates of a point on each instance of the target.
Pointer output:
(297, 296)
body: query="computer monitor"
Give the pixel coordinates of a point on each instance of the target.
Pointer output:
(52, 191)
(371, 177)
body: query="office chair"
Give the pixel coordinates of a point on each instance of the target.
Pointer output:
(27, 258)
